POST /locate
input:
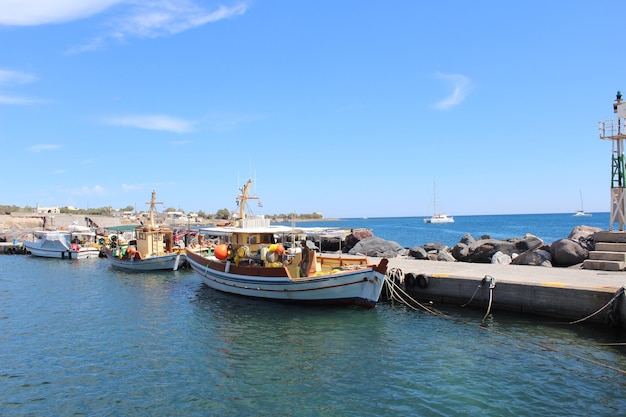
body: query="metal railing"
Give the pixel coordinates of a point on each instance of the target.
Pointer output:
(613, 129)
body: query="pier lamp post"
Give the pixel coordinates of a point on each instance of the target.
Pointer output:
(615, 131)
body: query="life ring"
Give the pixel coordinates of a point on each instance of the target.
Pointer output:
(422, 281)
(409, 280)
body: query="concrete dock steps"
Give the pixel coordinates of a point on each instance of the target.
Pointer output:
(609, 253)
(607, 256)
(601, 265)
(610, 247)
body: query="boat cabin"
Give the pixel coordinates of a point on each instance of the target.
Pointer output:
(153, 241)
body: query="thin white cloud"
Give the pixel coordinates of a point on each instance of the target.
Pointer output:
(153, 122)
(41, 12)
(96, 189)
(43, 147)
(157, 18)
(17, 100)
(461, 87)
(93, 45)
(9, 78)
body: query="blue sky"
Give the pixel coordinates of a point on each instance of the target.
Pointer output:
(347, 108)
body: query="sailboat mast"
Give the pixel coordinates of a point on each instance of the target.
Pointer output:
(434, 197)
(582, 207)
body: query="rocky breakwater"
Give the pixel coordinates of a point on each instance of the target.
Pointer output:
(526, 250)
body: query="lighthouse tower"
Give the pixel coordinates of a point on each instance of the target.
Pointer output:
(615, 131)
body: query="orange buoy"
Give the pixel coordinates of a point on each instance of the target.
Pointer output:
(280, 248)
(221, 251)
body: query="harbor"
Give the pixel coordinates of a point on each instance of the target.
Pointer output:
(567, 294)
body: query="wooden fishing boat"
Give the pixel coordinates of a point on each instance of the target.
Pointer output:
(251, 260)
(75, 243)
(152, 248)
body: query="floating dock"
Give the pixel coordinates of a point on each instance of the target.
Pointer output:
(569, 294)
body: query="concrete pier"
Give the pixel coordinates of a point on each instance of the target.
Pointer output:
(567, 294)
(9, 248)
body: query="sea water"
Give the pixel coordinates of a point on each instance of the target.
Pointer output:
(412, 231)
(80, 338)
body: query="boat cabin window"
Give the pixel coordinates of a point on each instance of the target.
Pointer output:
(252, 240)
(267, 238)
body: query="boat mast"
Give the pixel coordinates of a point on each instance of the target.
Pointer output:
(243, 198)
(582, 206)
(434, 198)
(152, 202)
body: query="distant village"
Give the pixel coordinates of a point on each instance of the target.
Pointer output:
(169, 216)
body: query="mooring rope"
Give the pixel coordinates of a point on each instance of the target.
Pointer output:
(396, 293)
(615, 297)
(492, 285)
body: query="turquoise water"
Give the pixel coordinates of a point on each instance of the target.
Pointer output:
(79, 338)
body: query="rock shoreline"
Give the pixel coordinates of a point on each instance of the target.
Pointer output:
(526, 250)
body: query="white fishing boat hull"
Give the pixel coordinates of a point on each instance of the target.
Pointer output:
(155, 263)
(57, 244)
(360, 287)
(83, 253)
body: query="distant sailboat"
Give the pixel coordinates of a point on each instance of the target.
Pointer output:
(438, 217)
(581, 212)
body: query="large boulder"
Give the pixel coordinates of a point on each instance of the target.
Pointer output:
(432, 251)
(418, 252)
(445, 256)
(585, 235)
(583, 232)
(435, 247)
(377, 247)
(483, 249)
(355, 236)
(528, 242)
(568, 252)
(461, 252)
(500, 258)
(540, 257)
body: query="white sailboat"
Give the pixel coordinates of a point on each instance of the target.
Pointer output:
(581, 212)
(438, 217)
